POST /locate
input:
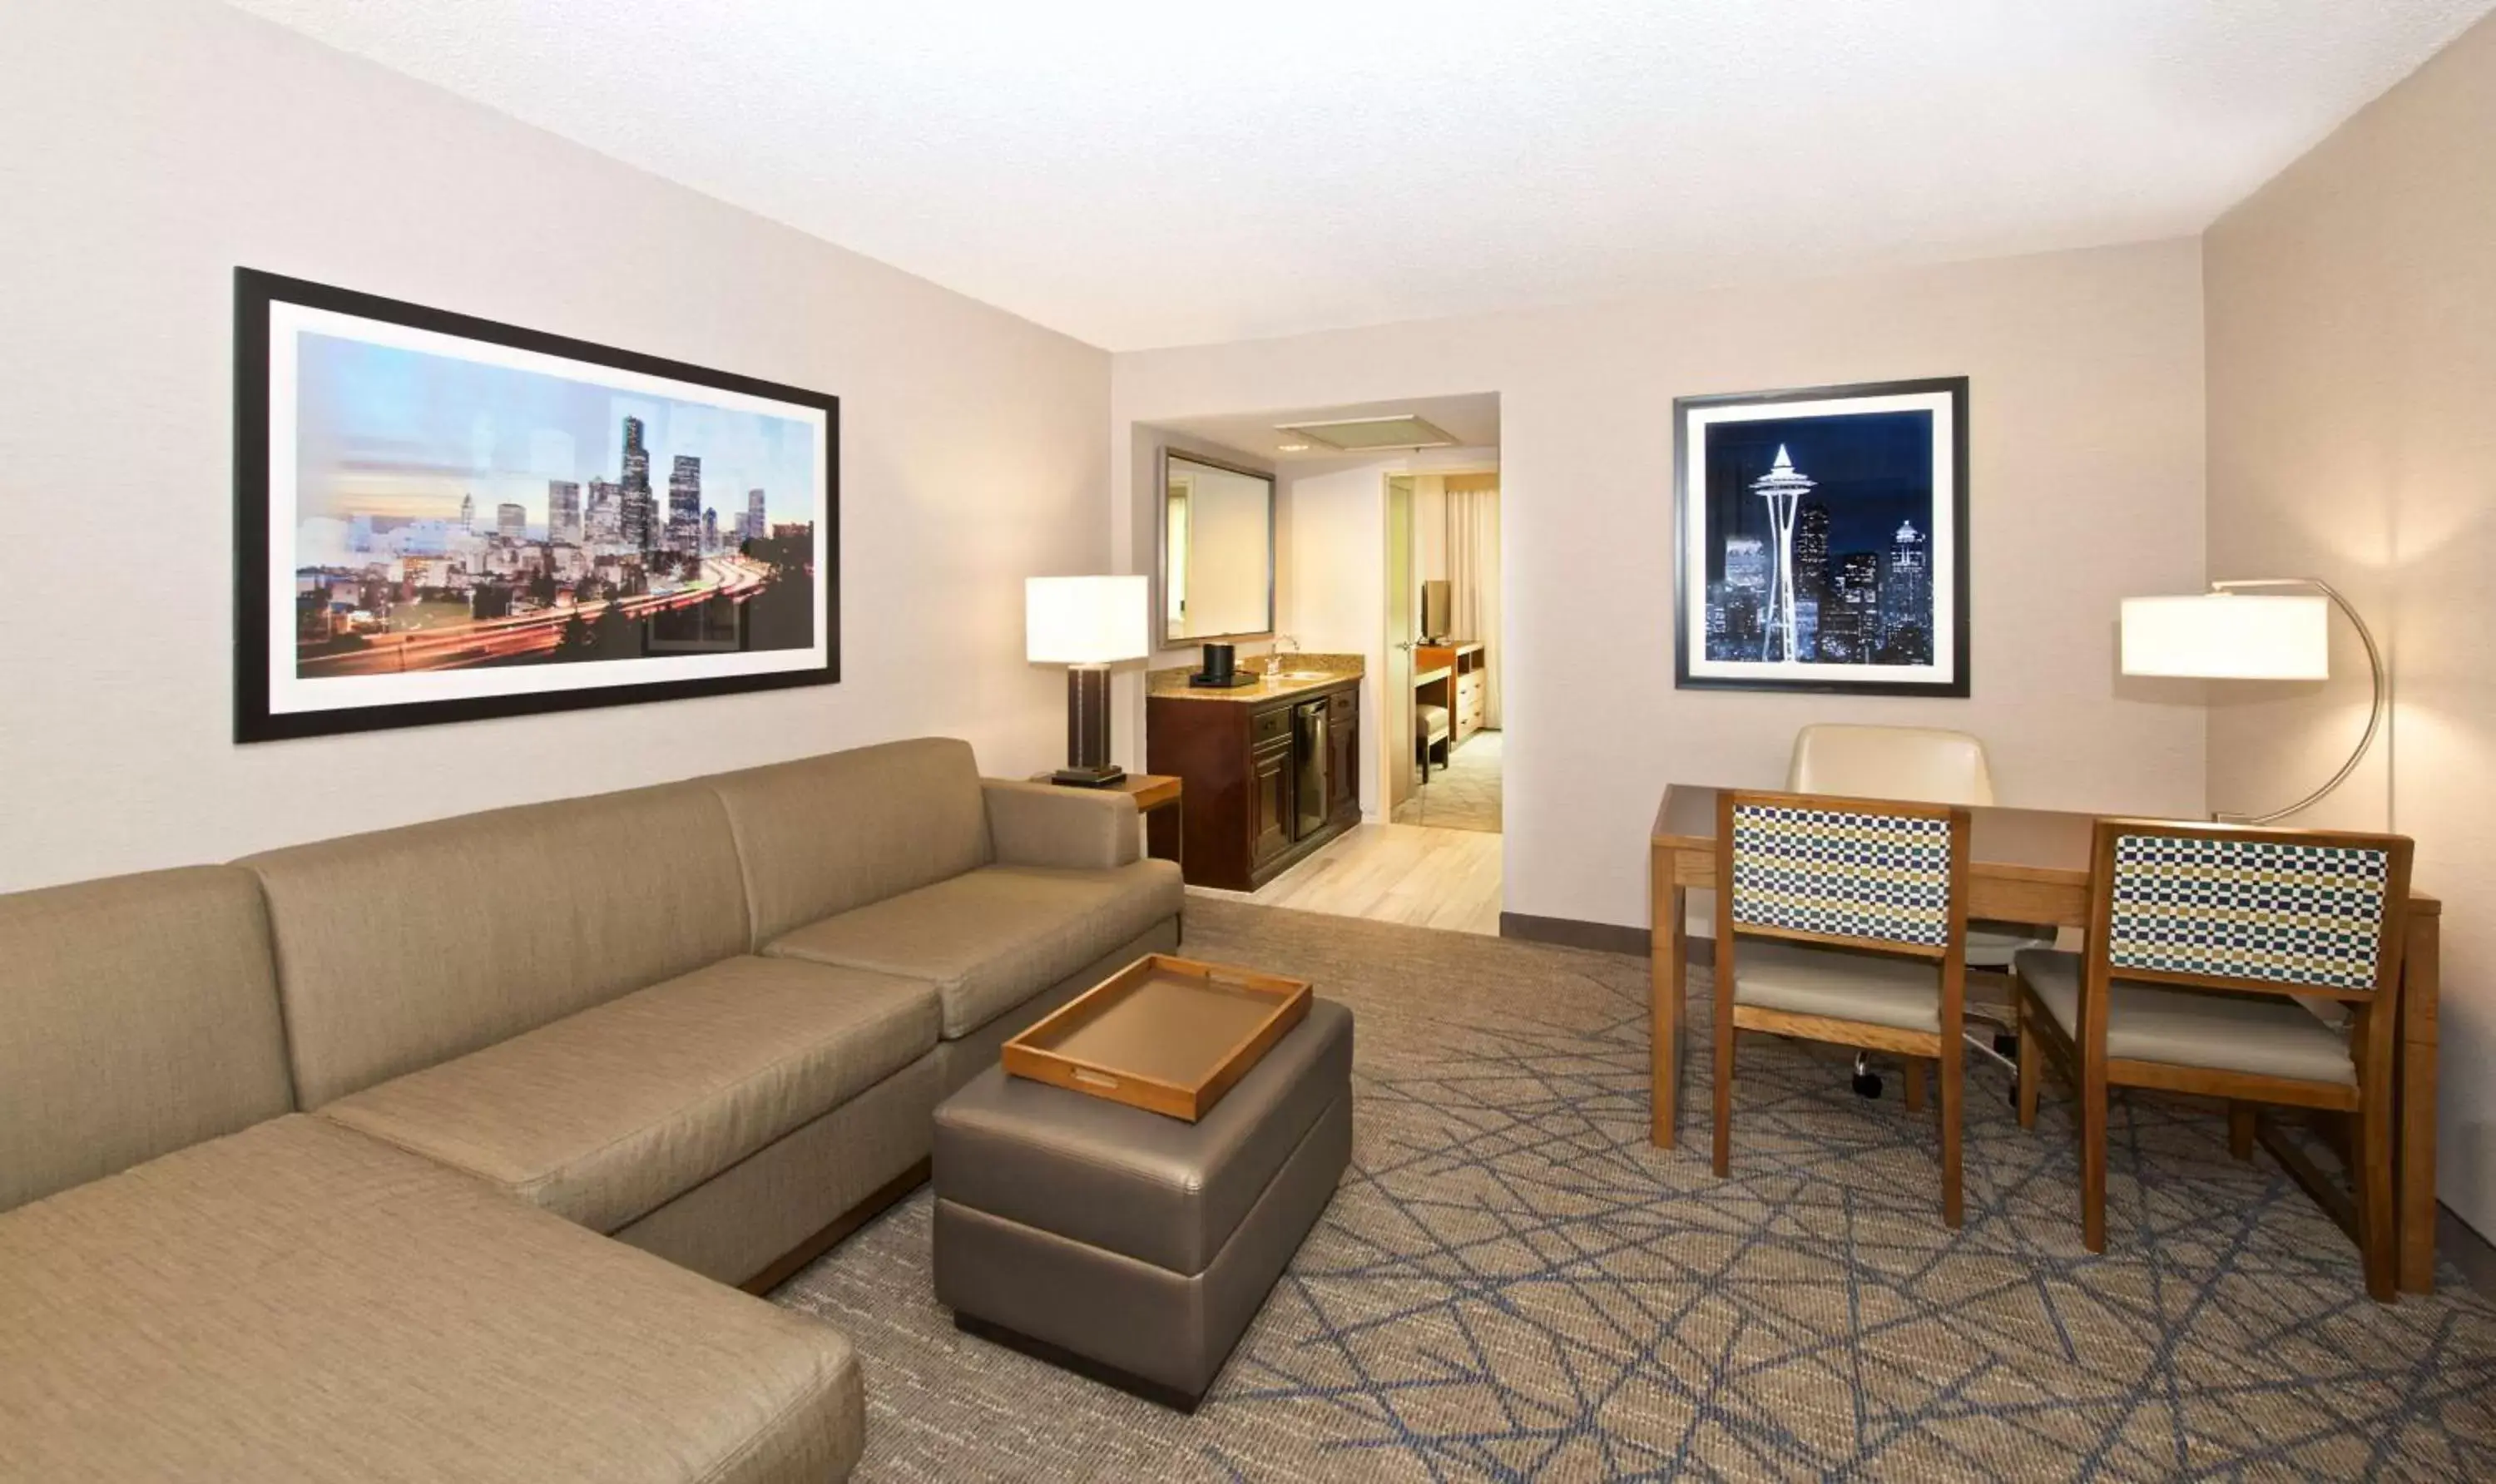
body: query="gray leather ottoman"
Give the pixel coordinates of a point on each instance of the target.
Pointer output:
(1128, 1246)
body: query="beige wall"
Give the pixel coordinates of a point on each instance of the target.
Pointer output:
(2086, 481)
(2353, 435)
(154, 145)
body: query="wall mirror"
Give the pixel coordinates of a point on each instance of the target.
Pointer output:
(1217, 551)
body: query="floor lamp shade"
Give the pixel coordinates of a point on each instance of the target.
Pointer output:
(1086, 624)
(2228, 633)
(2227, 636)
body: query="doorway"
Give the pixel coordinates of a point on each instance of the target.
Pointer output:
(1443, 586)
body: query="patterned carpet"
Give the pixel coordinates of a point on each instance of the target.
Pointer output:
(1465, 794)
(1511, 1284)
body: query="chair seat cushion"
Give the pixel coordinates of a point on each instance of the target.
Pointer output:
(2263, 1034)
(299, 1302)
(991, 938)
(605, 1115)
(1872, 988)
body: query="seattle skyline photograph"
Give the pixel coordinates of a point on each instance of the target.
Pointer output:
(459, 514)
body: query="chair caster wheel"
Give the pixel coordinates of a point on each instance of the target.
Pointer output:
(1867, 1084)
(2006, 1043)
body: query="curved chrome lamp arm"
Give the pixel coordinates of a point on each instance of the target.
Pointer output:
(2374, 717)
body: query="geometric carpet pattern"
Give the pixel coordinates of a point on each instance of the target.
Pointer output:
(1466, 793)
(1511, 1284)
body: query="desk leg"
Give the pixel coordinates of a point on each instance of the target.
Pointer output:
(2414, 1170)
(1670, 1002)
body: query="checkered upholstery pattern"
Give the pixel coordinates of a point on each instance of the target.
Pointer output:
(2248, 908)
(1883, 877)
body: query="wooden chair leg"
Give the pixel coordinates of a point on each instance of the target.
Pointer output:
(2378, 1244)
(1723, 1090)
(2240, 1129)
(1914, 1085)
(1953, 1068)
(2031, 1065)
(2093, 1152)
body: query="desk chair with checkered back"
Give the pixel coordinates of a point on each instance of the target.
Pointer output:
(1842, 921)
(2216, 931)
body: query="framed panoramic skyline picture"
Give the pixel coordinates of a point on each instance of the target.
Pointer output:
(1820, 540)
(442, 518)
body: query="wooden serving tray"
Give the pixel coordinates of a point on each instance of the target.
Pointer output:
(1167, 1035)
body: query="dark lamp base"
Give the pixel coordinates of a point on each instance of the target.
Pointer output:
(1088, 778)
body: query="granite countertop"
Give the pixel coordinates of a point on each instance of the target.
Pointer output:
(1311, 672)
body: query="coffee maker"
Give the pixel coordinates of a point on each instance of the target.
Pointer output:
(1220, 671)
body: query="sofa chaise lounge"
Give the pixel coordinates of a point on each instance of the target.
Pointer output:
(358, 1160)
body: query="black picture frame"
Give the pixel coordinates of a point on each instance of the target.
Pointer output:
(1688, 573)
(255, 292)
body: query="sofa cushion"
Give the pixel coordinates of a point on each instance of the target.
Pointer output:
(991, 938)
(399, 949)
(138, 1014)
(825, 834)
(606, 1115)
(298, 1302)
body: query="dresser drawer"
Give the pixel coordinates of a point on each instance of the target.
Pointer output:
(1268, 726)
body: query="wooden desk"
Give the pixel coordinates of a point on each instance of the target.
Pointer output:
(2032, 865)
(1156, 797)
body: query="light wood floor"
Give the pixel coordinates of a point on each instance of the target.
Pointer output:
(1394, 873)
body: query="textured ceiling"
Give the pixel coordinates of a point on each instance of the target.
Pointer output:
(1143, 174)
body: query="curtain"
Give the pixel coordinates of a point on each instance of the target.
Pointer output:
(1473, 584)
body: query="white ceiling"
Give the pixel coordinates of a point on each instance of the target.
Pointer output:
(1472, 420)
(1140, 175)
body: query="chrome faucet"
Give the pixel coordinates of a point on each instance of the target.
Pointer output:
(1274, 656)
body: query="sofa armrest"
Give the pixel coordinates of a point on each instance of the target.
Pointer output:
(1042, 824)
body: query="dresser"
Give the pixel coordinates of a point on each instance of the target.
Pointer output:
(1468, 683)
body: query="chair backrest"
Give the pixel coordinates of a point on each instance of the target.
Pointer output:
(1862, 873)
(2309, 912)
(1921, 764)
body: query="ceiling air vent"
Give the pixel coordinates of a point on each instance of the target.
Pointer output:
(1402, 430)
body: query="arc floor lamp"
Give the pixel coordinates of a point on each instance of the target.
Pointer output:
(2228, 633)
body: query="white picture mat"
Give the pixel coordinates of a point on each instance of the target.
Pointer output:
(289, 695)
(1943, 670)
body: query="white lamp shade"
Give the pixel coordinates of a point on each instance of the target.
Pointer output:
(1085, 620)
(2227, 636)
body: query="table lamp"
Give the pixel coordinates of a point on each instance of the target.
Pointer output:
(1086, 624)
(2227, 634)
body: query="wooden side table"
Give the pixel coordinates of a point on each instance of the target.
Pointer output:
(1156, 797)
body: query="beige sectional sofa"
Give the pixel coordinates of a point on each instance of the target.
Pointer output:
(315, 1158)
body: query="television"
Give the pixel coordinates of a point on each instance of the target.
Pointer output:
(1435, 604)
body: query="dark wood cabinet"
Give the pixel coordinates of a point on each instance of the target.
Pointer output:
(1343, 776)
(1269, 802)
(1268, 778)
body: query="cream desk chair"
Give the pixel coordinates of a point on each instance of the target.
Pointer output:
(1925, 765)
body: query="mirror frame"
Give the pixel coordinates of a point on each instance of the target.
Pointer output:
(1162, 637)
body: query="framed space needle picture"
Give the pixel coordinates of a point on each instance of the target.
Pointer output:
(1820, 540)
